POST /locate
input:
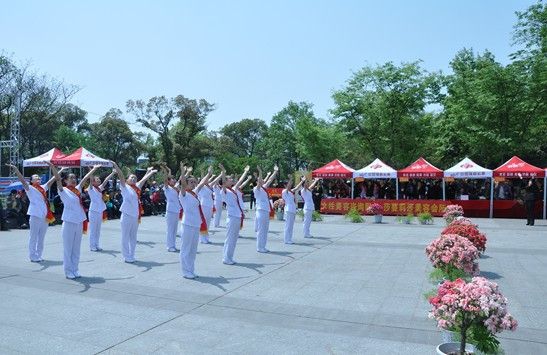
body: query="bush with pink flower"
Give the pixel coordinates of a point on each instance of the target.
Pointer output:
(476, 310)
(452, 212)
(469, 231)
(375, 209)
(452, 255)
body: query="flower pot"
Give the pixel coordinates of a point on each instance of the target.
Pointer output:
(279, 215)
(454, 348)
(377, 218)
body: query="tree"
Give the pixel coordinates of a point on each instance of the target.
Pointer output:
(113, 139)
(243, 137)
(382, 108)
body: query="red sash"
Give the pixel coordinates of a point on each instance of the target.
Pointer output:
(50, 218)
(239, 206)
(272, 214)
(203, 226)
(77, 192)
(138, 192)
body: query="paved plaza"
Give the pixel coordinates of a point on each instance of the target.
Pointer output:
(354, 288)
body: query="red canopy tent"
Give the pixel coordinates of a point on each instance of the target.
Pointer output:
(334, 169)
(515, 166)
(421, 168)
(81, 157)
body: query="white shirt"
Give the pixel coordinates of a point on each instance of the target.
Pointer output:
(232, 207)
(37, 206)
(190, 205)
(97, 204)
(240, 196)
(172, 197)
(262, 199)
(72, 207)
(218, 196)
(289, 198)
(308, 199)
(130, 204)
(206, 197)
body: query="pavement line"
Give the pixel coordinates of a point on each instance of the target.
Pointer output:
(291, 260)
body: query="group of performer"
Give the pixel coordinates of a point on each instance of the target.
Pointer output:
(191, 201)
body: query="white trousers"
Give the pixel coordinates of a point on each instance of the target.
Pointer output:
(232, 232)
(95, 220)
(208, 214)
(130, 226)
(38, 228)
(262, 225)
(189, 248)
(172, 220)
(218, 216)
(72, 240)
(289, 224)
(307, 222)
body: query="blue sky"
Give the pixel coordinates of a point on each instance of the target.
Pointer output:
(248, 57)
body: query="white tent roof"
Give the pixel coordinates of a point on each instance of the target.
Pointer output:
(467, 169)
(41, 160)
(376, 170)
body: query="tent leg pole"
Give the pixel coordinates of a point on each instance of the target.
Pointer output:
(492, 198)
(396, 188)
(444, 191)
(352, 187)
(544, 197)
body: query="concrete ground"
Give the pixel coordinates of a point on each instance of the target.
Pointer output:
(354, 288)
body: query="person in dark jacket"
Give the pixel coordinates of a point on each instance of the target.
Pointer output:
(530, 196)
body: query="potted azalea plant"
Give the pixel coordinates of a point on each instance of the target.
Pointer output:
(279, 207)
(476, 310)
(452, 257)
(452, 212)
(467, 230)
(376, 210)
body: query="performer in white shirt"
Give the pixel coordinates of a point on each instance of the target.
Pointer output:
(193, 221)
(173, 209)
(131, 210)
(309, 207)
(217, 188)
(264, 209)
(207, 200)
(97, 210)
(39, 212)
(289, 196)
(74, 219)
(234, 210)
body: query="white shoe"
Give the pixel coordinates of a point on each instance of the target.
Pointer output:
(77, 274)
(228, 262)
(289, 242)
(173, 250)
(308, 236)
(129, 261)
(94, 249)
(263, 250)
(70, 276)
(189, 276)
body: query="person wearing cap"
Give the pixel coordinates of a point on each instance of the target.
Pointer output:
(193, 221)
(97, 209)
(131, 210)
(74, 219)
(39, 212)
(264, 209)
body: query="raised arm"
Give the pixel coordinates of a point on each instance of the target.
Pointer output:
(315, 181)
(19, 176)
(119, 171)
(106, 179)
(56, 175)
(205, 179)
(272, 177)
(52, 180)
(149, 172)
(88, 175)
(299, 186)
(242, 178)
(249, 178)
(259, 180)
(188, 171)
(182, 181)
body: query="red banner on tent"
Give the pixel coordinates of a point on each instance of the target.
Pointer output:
(391, 207)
